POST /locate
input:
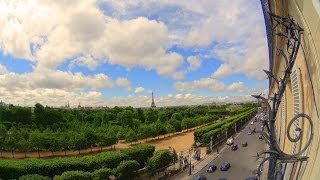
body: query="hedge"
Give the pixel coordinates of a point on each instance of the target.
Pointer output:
(140, 153)
(103, 173)
(74, 175)
(34, 177)
(203, 135)
(126, 169)
(13, 169)
(160, 159)
(213, 133)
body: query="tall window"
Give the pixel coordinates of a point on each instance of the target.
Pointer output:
(295, 81)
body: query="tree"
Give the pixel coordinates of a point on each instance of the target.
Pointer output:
(138, 114)
(177, 116)
(176, 124)
(151, 116)
(36, 141)
(125, 118)
(163, 116)
(169, 128)
(39, 113)
(3, 134)
(131, 136)
(122, 133)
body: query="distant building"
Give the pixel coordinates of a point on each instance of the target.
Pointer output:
(3, 104)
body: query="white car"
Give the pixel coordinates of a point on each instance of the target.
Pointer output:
(251, 123)
(230, 141)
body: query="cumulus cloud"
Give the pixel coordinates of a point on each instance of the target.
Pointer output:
(123, 82)
(82, 28)
(139, 90)
(81, 33)
(3, 70)
(194, 63)
(240, 42)
(241, 59)
(223, 71)
(236, 86)
(51, 97)
(203, 83)
(54, 80)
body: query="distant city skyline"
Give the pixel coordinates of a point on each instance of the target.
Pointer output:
(115, 53)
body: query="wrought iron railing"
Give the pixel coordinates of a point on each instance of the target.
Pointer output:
(290, 32)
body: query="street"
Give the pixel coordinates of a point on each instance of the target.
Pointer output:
(243, 161)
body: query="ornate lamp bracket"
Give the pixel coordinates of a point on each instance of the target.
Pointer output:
(289, 31)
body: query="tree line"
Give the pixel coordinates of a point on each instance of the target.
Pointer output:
(50, 129)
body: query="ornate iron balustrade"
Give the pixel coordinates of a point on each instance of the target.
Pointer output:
(288, 30)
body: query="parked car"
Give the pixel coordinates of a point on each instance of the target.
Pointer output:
(244, 144)
(200, 177)
(234, 147)
(211, 168)
(252, 178)
(225, 166)
(249, 132)
(230, 141)
(260, 136)
(251, 123)
(222, 178)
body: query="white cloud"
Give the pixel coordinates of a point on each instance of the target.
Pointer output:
(203, 83)
(139, 90)
(223, 71)
(85, 60)
(52, 33)
(179, 75)
(194, 63)
(82, 28)
(51, 97)
(3, 70)
(123, 82)
(236, 86)
(54, 80)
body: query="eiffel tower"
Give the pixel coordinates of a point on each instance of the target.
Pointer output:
(153, 105)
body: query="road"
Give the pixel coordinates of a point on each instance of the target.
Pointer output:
(243, 161)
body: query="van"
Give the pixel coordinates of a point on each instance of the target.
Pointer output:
(230, 141)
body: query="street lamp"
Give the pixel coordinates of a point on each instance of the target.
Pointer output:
(190, 151)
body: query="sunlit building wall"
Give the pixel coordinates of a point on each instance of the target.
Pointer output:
(302, 93)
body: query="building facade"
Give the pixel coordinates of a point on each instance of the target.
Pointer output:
(302, 93)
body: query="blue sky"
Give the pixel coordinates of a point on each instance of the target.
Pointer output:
(108, 53)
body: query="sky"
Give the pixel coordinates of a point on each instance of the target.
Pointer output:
(116, 52)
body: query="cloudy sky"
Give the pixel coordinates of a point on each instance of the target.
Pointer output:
(116, 52)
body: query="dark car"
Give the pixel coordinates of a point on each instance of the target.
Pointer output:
(244, 144)
(234, 147)
(252, 178)
(260, 136)
(211, 168)
(222, 178)
(200, 177)
(225, 166)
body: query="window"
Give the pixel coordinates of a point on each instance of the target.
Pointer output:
(295, 81)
